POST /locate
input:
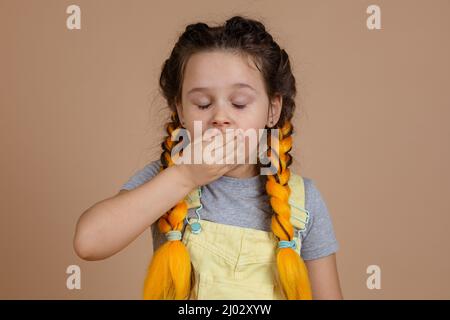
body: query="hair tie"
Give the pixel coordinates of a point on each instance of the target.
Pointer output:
(287, 244)
(173, 235)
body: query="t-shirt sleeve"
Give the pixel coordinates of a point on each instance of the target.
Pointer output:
(142, 175)
(318, 239)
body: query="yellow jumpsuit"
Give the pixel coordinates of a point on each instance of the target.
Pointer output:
(232, 262)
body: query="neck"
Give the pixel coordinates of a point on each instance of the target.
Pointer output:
(243, 171)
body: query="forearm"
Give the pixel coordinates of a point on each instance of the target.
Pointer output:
(111, 224)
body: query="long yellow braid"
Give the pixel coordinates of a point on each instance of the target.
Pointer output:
(291, 267)
(170, 271)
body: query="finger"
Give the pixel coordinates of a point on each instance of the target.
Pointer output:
(229, 148)
(226, 139)
(240, 150)
(232, 157)
(210, 133)
(201, 140)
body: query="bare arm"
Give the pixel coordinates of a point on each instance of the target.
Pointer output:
(111, 224)
(324, 278)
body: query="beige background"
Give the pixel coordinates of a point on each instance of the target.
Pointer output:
(80, 113)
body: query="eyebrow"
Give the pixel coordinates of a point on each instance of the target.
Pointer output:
(236, 85)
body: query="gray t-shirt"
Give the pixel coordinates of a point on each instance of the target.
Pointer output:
(245, 203)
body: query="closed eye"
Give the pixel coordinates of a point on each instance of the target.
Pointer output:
(239, 106)
(205, 106)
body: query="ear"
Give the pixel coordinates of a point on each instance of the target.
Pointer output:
(274, 112)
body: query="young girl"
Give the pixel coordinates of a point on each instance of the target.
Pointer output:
(223, 231)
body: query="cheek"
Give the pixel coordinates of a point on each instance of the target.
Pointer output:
(192, 118)
(253, 122)
(253, 117)
(198, 127)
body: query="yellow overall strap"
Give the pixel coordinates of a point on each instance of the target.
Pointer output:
(299, 215)
(193, 198)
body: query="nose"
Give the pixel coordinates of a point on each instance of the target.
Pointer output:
(220, 119)
(221, 124)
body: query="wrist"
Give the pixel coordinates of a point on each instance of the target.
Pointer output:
(183, 177)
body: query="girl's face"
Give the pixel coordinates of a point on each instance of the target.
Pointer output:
(225, 91)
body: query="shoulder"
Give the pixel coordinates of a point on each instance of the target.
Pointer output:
(314, 202)
(142, 175)
(319, 215)
(150, 170)
(312, 193)
(152, 167)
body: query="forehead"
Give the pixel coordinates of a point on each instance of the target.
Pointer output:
(218, 70)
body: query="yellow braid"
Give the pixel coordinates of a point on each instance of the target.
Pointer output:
(291, 267)
(169, 274)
